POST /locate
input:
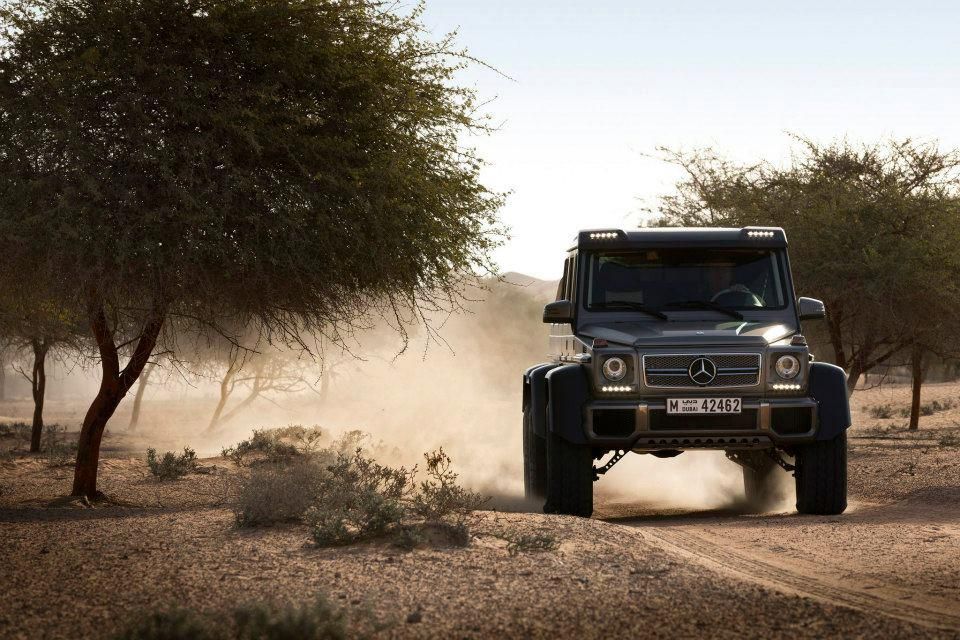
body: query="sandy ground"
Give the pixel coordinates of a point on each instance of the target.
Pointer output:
(889, 567)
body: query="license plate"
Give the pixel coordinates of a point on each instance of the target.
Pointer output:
(703, 405)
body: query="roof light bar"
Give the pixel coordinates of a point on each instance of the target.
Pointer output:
(603, 235)
(616, 389)
(761, 234)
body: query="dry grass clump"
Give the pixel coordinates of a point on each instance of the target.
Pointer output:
(276, 492)
(344, 495)
(54, 447)
(275, 445)
(316, 620)
(886, 411)
(171, 466)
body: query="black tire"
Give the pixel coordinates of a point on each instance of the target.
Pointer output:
(534, 461)
(822, 477)
(569, 478)
(760, 483)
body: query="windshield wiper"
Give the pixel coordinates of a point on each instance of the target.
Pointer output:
(705, 304)
(635, 306)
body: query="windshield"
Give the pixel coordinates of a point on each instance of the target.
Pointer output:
(665, 279)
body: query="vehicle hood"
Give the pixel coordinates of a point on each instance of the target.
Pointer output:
(689, 333)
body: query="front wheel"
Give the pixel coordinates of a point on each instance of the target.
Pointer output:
(822, 476)
(569, 478)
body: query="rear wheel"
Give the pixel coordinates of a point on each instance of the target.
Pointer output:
(822, 477)
(569, 478)
(534, 461)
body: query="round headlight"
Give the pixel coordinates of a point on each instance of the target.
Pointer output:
(614, 369)
(788, 367)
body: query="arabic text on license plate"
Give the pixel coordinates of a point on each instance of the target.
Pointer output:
(703, 405)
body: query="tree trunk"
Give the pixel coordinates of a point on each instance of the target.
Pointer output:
(38, 385)
(138, 399)
(114, 385)
(3, 379)
(226, 388)
(916, 370)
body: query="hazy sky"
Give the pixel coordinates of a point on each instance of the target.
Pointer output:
(598, 84)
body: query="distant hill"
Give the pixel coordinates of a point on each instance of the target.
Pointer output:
(541, 290)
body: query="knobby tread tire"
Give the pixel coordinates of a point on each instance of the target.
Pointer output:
(534, 461)
(569, 478)
(822, 477)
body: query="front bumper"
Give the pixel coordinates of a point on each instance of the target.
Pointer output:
(646, 426)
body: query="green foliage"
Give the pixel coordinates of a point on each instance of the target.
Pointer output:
(171, 466)
(360, 499)
(278, 163)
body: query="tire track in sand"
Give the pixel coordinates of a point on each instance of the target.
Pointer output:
(746, 564)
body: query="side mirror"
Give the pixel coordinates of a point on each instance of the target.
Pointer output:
(811, 309)
(559, 311)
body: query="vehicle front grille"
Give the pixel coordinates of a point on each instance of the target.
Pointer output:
(672, 371)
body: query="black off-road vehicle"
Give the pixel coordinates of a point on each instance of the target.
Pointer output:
(665, 340)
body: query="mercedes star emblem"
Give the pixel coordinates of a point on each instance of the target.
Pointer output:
(702, 371)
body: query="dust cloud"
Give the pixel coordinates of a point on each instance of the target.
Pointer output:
(464, 396)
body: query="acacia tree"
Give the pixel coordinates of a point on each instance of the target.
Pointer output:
(286, 166)
(872, 230)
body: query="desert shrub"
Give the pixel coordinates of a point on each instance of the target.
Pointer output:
(439, 498)
(359, 499)
(949, 440)
(523, 542)
(171, 466)
(171, 625)
(881, 411)
(936, 406)
(317, 620)
(275, 445)
(279, 492)
(54, 447)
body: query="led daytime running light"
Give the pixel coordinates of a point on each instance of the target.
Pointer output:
(786, 387)
(616, 389)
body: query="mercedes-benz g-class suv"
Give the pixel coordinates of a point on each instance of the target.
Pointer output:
(667, 340)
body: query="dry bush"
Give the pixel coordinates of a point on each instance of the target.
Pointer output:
(279, 492)
(317, 620)
(275, 445)
(359, 499)
(57, 451)
(171, 625)
(949, 440)
(439, 498)
(522, 542)
(881, 411)
(171, 466)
